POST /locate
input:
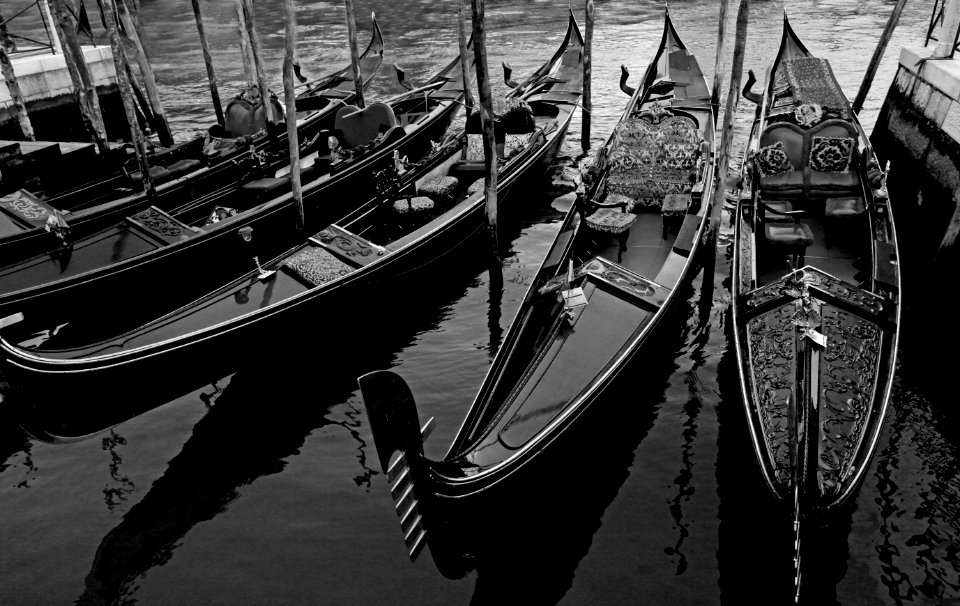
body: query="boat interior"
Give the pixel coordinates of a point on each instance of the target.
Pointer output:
(811, 201)
(636, 234)
(356, 133)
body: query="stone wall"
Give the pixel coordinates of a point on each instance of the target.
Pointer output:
(918, 130)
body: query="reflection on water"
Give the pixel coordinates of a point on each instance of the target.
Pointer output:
(264, 493)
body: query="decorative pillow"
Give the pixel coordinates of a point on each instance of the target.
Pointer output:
(772, 160)
(830, 154)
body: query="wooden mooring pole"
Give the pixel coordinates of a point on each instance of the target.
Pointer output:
(723, 158)
(877, 56)
(246, 53)
(251, 29)
(464, 61)
(208, 61)
(126, 94)
(718, 64)
(160, 123)
(290, 100)
(587, 104)
(354, 53)
(83, 87)
(486, 120)
(16, 95)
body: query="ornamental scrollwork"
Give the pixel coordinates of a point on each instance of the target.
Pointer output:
(773, 346)
(848, 371)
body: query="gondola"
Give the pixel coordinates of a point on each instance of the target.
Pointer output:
(153, 262)
(816, 288)
(203, 167)
(320, 276)
(622, 255)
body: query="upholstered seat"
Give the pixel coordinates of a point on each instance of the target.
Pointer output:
(439, 188)
(817, 161)
(361, 126)
(417, 204)
(843, 207)
(791, 238)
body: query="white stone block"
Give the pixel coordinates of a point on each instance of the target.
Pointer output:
(951, 122)
(944, 74)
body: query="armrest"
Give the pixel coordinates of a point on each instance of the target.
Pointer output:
(788, 213)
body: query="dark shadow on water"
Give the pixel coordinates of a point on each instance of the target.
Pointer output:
(529, 538)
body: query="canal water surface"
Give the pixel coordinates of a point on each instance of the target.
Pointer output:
(263, 487)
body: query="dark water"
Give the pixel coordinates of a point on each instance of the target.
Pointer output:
(263, 488)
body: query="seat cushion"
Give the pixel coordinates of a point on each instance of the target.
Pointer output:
(788, 235)
(185, 166)
(413, 205)
(829, 182)
(439, 187)
(611, 221)
(843, 207)
(789, 182)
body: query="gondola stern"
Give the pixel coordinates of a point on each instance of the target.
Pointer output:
(399, 438)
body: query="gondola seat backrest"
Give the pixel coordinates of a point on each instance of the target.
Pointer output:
(816, 161)
(361, 126)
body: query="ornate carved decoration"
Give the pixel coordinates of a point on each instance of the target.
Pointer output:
(612, 273)
(848, 371)
(797, 283)
(25, 206)
(160, 223)
(349, 245)
(746, 256)
(773, 354)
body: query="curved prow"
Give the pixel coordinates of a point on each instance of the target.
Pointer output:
(624, 75)
(402, 77)
(747, 93)
(507, 71)
(396, 429)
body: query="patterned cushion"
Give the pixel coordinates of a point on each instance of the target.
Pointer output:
(413, 205)
(830, 154)
(476, 186)
(772, 160)
(439, 187)
(316, 266)
(611, 220)
(514, 144)
(475, 147)
(621, 199)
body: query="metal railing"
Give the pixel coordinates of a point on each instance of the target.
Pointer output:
(936, 20)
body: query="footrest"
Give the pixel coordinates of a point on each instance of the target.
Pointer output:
(161, 227)
(348, 247)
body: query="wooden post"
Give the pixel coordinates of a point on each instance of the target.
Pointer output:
(486, 119)
(743, 16)
(246, 53)
(126, 94)
(149, 80)
(290, 100)
(718, 64)
(208, 61)
(251, 28)
(16, 95)
(587, 104)
(83, 87)
(354, 53)
(464, 62)
(51, 30)
(877, 56)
